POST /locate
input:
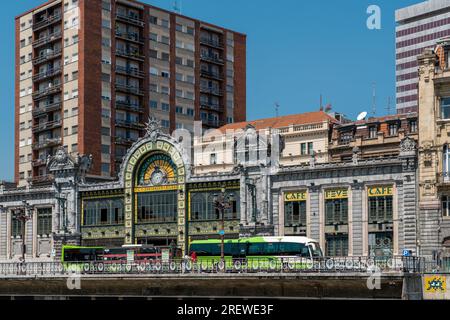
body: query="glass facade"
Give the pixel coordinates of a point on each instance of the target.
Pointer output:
(157, 207)
(337, 245)
(103, 212)
(202, 207)
(380, 209)
(336, 211)
(295, 213)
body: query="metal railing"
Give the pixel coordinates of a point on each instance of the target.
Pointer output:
(130, 54)
(211, 58)
(210, 42)
(130, 18)
(46, 21)
(47, 56)
(335, 265)
(47, 39)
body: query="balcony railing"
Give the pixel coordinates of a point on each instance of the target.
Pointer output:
(129, 124)
(129, 89)
(47, 126)
(47, 74)
(210, 42)
(47, 56)
(210, 106)
(126, 105)
(50, 90)
(211, 58)
(130, 71)
(210, 90)
(124, 141)
(46, 22)
(129, 36)
(211, 123)
(130, 19)
(210, 74)
(48, 108)
(39, 162)
(48, 143)
(130, 54)
(47, 39)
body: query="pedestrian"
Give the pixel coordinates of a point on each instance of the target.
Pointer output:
(194, 257)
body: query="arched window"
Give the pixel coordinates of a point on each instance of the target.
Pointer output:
(446, 162)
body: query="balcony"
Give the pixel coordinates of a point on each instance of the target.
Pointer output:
(210, 106)
(39, 163)
(130, 54)
(46, 22)
(49, 125)
(47, 91)
(443, 178)
(47, 178)
(51, 54)
(211, 123)
(211, 43)
(212, 58)
(210, 74)
(128, 106)
(129, 89)
(47, 74)
(130, 72)
(129, 36)
(48, 143)
(37, 112)
(132, 19)
(124, 141)
(211, 90)
(47, 39)
(129, 124)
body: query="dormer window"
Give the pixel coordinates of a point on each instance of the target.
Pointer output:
(373, 132)
(393, 129)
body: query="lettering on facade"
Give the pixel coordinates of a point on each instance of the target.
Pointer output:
(295, 196)
(380, 191)
(336, 194)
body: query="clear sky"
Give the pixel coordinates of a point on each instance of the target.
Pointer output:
(296, 50)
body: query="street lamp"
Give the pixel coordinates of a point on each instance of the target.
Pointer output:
(223, 202)
(23, 216)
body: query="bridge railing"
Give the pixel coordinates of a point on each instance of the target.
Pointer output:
(202, 265)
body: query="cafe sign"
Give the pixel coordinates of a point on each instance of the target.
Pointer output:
(336, 194)
(380, 191)
(295, 196)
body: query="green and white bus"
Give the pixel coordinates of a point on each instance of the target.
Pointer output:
(297, 250)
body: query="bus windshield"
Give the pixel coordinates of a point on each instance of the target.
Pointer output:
(315, 249)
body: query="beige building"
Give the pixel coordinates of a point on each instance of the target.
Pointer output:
(303, 137)
(434, 142)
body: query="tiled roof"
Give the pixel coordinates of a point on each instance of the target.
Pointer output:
(283, 121)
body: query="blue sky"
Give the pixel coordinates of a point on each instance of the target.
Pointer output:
(296, 50)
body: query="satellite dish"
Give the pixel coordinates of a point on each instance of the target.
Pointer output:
(362, 116)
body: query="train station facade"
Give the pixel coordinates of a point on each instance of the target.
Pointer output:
(357, 206)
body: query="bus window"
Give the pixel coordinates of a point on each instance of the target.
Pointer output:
(293, 249)
(315, 249)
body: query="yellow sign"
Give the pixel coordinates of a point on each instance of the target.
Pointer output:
(156, 189)
(380, 191)
(336, 194)
(295, 196)
(435, 284)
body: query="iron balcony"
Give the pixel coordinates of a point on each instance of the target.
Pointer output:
(130, 54)
(47, 91)
(211, 58)
(129, 124)
(210, 106)
(126, 105)
(48, 143)
(47, 126)
(47, 74)
(46, 22)
(47, 39)
(210, 74)
(210, 90)
(130, 19)
(129, 36)
(130, 71)
(46, 57)
(39, 162)
(211, 43)
(129, 89)
(48, 108)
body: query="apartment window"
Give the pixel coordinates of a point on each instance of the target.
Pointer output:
(310, 148)
(75, 147)
(190, 112)
(75, 93)
(179, 110)
(413, 126)
(154, 71)
(153, 36)
(179, 76)
(153, 20)
(445, 108)
(393, 129)
(105, 168)
(106, 149)
(190, 30)
(165, 40)
(165, 107)
(303, 149)
(165, 56)
(165, 74)
(165, 123)
(22, 43)
(179, 60)
(75, 57)
(106, 42)
(372, 132)
(153, 54)
(165, 23)
(179, 27)
(190, 63)
(66, 131)
(153, 104)
(213, 158)
(74, 111)
(179, 93)
(153, 87)
(165, 90)
(22, 126)
(74, 129)
(445, 201)
(75, 39)
(190, 79)
(106, 23)
(22, 143)
(106, 77)
(106, 131)
(22, 159)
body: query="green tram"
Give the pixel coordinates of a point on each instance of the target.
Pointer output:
(264, 252)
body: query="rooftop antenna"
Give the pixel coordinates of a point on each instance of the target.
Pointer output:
(277, 106)
(374, 95)
(177, 6)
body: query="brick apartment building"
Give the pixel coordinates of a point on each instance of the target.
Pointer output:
(90, 73)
